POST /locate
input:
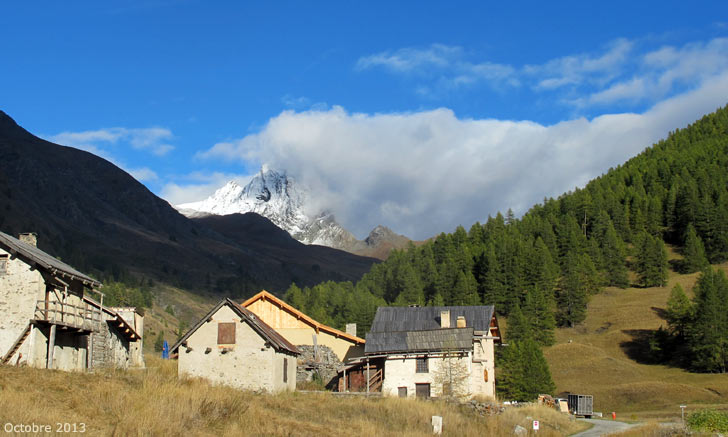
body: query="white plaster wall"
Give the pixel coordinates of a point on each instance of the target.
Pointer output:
(20, 288)
(248, 364)
(38, 342)
(400, 372)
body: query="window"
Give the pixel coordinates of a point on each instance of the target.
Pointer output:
(3, 264)
(422, 366)
(285, 369)
(226, 333)
(402, 392)
(422, 391)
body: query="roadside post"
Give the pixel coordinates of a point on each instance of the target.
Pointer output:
(682, 413)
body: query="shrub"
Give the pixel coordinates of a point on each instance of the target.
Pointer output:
(708, 421)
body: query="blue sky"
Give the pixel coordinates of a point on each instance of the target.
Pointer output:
(416, 115)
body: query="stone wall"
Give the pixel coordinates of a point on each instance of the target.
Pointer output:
(20, 288)
(322, 362)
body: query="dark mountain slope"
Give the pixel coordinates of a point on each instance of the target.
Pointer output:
(101, 220)
(253, 230)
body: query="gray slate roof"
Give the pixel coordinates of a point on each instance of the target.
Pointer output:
(42, 260)
(417, 329)
(390, 319)
(420, 341)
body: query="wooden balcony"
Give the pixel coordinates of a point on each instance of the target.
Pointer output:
(84, 317)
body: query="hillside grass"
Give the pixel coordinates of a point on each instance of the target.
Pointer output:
(606, 357)
(153, 402)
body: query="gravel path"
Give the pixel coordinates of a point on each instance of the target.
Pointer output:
(603, 427)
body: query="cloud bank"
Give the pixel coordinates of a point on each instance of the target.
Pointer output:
(422, 173)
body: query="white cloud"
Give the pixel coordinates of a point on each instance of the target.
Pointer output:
(153, 139)
(409, 59)
(625, 71)
(198, 186)
(577, 69)
(143, 174)
(447, 64)
(426, 172)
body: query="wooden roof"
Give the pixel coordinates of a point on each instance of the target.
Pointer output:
(269, 334)
(318, 326)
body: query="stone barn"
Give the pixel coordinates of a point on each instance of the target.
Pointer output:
(429, 352)
(49, 319)
(232, 346)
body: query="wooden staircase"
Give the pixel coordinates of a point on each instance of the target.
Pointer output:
(376, 380)
(16, 345)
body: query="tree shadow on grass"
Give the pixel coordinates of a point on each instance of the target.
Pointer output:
(661, 312)
(638, 348)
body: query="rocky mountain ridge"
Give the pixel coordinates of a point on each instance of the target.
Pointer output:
(285, 202)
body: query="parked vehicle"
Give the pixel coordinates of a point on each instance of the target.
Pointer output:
(581, 405)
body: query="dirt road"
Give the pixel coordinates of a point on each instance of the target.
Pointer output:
(603, 427)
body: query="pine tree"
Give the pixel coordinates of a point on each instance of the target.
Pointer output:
(524, 372)
(709, 330)
(651, 261)
(694, 253)
(614, 259)
(679, 311)
(538, 376)
(518, 325)
(537, 310)
(574, 290)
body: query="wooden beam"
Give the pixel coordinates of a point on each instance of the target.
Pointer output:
(51, 347)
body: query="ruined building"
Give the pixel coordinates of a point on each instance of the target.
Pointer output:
(52, 316)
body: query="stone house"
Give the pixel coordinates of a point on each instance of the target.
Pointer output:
(48, 318)
(300, 329)
(232, 346)
(430, 352)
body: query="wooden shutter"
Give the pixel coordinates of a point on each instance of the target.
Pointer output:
(285, 369)
(226, 333)
(422, 391)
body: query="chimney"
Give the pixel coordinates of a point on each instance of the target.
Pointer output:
(29, 238)
(461, 322)
(351, 329)
(445, 319)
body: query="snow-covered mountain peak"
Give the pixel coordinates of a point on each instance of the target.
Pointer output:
(278, 197)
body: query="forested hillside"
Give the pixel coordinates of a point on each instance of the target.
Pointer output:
(564, 250)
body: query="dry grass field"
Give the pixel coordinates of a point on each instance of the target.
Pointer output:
(153, 402)
(605, 357)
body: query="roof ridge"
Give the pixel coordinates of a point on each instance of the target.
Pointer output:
(264, 294)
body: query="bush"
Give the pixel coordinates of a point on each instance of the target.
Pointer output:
(708, 421)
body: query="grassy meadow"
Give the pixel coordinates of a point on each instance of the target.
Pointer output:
(153, 402)
(605, 357)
